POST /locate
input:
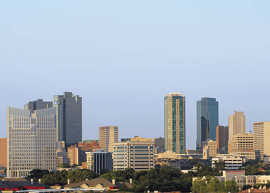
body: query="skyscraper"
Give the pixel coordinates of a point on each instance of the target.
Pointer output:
(108, 135)
(175, 122)
(69, 118)
(262, 136)
(31, 140)
(38, 104)
(207, 120)
(237, 124)
(222, 139)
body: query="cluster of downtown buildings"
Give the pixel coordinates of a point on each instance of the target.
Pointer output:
(47, 135)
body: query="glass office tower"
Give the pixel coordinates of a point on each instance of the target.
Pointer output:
(174, 123)
(207, 120)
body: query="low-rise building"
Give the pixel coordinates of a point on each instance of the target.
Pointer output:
(137, 153)
(231, 162)
(99, 161)
(210, 149)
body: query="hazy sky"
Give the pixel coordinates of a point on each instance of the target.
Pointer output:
(122, 57)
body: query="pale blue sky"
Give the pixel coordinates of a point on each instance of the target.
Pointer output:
(122, 57)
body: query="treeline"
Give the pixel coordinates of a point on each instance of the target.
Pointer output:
(213, 185)
(61, 177)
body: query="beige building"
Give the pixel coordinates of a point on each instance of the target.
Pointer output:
(243, 145)
(237, 124)
(138, 153)
(175, 122)
(262, 138)
(210, 149)
(31, 140)
(3, 152)
(108, 135)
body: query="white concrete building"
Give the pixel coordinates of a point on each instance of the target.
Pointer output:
(31, 140)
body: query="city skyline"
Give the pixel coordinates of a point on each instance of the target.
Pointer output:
(122, 63)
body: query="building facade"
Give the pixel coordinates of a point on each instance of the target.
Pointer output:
(108, 135)
(38, 104)
(3, 152)
(262, 136)
(222, 138)
(237, 124)
(138, 154)
(69, 118)
(210, 149)
(175, 123)
(99, 161)
(159, 144)
(31, 140)
(243, 145)
(207, 121)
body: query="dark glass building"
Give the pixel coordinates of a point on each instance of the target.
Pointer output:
(207, 121)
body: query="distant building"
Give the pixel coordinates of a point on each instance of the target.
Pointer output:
(124, 139)
(108, 135)
(61, 154)
(89, 146)
(175, 123)
(207, 121)
(231, 162)
(75, 155)
(237, 124)
(138, 154)
(159, 144)
(99, 161)
(210, 149)
(38, 104)
(222, 139)
(3, 152)
(31, 140)
(69, 118)
(243, 145)
(262, 138)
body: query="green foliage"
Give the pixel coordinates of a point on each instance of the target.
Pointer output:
(212, 184)
(61, 177)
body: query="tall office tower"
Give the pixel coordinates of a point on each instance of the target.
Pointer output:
(207, 121)
(3, 152)
(243, 144)
(69, 118)
(262, 135)
(108, 135)
(138, 154)
(222, 139)
(175, 123)
(237, 124)
(38, 104)
(31, 140)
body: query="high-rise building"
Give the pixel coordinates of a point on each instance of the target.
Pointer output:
(175, 123)
(99, 161)
(3, 152)
(31, 140)
(138, 154)
(207, 121)
(243, 144)
(262, 135)
(222, 139)
(38, 104)
(237, 124)
(108, 135)
(69, 118)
